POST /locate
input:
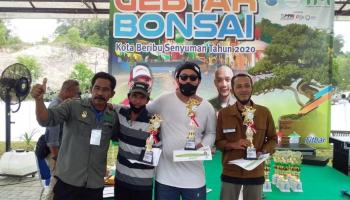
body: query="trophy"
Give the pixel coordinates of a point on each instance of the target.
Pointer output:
(276, 175)
(147, 153)
(296, 163)
(248, 114)
(267, 183)
(191, 106)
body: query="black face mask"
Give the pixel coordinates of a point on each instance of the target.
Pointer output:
(245, 102)
(136, 110)
(188, 89)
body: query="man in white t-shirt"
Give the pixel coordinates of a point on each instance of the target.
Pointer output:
(182, 179)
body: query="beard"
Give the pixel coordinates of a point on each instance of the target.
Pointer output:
(243, 102)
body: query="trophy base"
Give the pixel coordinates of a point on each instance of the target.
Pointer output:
(297, 186)
(267, 186)
(251, 154)
(189, 148)
(250, 158)
(284, 186)
(146, 157)
(190, 145)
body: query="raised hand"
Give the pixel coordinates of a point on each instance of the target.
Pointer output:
(38, 90)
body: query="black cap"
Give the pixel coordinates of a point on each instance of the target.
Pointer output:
(188, 65)
(140, 87)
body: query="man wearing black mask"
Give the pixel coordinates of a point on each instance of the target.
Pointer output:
(133, 181)
(232, 140)
(182, 179)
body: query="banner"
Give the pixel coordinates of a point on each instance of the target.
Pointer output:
(284, 44)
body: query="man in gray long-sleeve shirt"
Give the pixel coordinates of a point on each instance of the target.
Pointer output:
(88, 128)
(53, 135)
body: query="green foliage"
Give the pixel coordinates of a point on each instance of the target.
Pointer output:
(91, 32)
(83, 74)
(5, 36)
(32, 64)
(296, 52)
(341, 73)
(27, 138)
(338, 43)
(268, 29)
(72, 38)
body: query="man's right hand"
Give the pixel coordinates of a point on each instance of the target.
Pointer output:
(38, 90)
(240, 144)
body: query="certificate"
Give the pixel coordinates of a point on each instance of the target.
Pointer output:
(182, 155)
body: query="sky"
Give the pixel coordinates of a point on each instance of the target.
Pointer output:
(33, 30)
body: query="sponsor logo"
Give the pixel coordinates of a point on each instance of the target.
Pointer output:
(271, 2)
(314, 140)
(297, 17)
(317, 3)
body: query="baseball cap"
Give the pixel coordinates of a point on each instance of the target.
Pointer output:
(141, 70)
(188, 65)
(140, 87)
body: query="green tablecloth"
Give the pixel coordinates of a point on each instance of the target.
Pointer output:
(319, 183)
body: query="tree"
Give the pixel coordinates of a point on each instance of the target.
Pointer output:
(83, 74)
(32, 64)
(338, 44)
(93, 32)
(343, 73)
(299, 54)
(5, 36)
(72, 38)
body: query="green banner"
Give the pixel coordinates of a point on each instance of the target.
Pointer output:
(284, 44)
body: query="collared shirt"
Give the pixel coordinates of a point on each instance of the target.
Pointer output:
(52, 133)
(79, 163)
(216, 103)
(230, 129)
(132, 139)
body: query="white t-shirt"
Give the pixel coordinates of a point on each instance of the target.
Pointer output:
(174, 130)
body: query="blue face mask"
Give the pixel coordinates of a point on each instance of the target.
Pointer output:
(187, 89)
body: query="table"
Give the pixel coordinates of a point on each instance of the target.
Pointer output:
(319, 183)
(303, 148)
(341, 146)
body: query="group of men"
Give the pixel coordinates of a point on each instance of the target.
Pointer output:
(89, 125)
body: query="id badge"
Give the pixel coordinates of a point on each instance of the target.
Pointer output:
(95, 138)
(229, 130)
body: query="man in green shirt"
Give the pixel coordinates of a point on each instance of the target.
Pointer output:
(88, 127)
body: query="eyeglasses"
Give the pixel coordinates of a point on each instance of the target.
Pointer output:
(184, 77)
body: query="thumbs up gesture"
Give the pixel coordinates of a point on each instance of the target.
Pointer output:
(38, 90)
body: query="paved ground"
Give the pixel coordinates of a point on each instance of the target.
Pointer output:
(27, 188)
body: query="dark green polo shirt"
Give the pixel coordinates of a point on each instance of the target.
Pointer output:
(79, 163)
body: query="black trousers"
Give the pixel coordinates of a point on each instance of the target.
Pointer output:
(64, 191)
(122, 193)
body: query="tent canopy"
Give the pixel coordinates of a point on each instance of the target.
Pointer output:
(92, 9)
(54, 9)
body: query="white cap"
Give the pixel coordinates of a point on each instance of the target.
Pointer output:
(140, 70)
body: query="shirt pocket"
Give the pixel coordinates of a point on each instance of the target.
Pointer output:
(259, 136)
(84, 128)
(230, 132)
(107, 129)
